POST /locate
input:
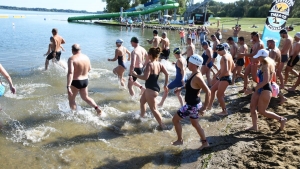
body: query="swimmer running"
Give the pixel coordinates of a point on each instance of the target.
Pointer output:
(77, 79)
(120, 55)
(193, 106)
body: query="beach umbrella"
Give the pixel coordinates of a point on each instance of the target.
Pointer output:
(217, 18)
(167, 16)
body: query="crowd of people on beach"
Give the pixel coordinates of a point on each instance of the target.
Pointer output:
(237, 60)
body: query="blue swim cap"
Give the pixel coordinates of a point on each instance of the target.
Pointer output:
(2, 90)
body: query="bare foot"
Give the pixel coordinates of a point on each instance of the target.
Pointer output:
(292, 89)
(282, 100)
(282, 122)
(252, 129)
(98, 112)
(142, 90)
(204, 145)
(123, 82)
(177, 142)
(223, 113)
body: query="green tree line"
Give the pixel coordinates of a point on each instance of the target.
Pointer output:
(247, 8)
(240, 8)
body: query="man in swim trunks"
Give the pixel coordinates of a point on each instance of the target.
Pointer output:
(193, 106)
(79, 66)
(253, 66)
(275, 54)
(237, 71)
(138, 56)
(294, 58)
(190, 49)
(165, 45)
(285, 51)
(155, 41)
(215, 53)
(236, 31)
(224, 78)
(57, 45)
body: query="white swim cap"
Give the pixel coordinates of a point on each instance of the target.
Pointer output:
(298, 35)
(261, 53)
(119, 41)
(196, 60)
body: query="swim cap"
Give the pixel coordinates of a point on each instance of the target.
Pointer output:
(196, 60)
(283, 31)
(2, 90)
(204, 43)
(261, 53)
(223, 46)
(164, 33)
(298, 35)
(134, 39)
(155, 32)
(176, 51)
(119, 41)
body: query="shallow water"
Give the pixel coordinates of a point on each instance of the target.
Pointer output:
(40, 131)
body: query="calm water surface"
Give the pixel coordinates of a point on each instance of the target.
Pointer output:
(39, 129)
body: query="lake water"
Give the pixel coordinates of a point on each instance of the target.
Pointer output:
(39, 129)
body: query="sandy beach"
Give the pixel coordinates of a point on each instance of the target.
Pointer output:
(267, 148)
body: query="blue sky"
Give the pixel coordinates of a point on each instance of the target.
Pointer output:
(89, 5)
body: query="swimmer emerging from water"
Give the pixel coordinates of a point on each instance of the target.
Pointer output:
(179, 81)
(138, 59)
(79, 66)
(120, 55)
(151, 74)
(49, 54)
(193, 106)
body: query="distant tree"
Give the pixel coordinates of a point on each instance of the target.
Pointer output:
(263, 11)
(115, 5)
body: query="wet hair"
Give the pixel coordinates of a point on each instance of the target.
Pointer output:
(51, 38)
(75, 48)
(54, 30)
(154, 52)
(241, 38)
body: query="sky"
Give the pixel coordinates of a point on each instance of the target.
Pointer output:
(88, 5)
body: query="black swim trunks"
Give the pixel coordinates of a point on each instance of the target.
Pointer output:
(80, 84)
(240, 62)
(295, 61)
(215, 55)
(284, 58)
(226, 78)
(165, 54)
(138, 71)
(57, 57)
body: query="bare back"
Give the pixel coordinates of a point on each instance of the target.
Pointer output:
(190, 50)
(165, 43)
(58, 41)
(296, 49)
(156, 41)
(226, 65)
(81, 66)
(138, 56)
(216, 42)
(275, 54)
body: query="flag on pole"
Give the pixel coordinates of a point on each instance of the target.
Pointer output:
(276, 19)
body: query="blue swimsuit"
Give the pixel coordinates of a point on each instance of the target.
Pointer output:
(205, 59)
(177, 82)
(261, 79)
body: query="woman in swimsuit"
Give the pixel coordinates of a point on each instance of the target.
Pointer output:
(179, 81)
(151, 73)
(262, 93)
(120, 55)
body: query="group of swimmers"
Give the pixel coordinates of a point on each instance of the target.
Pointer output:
(265, 66)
